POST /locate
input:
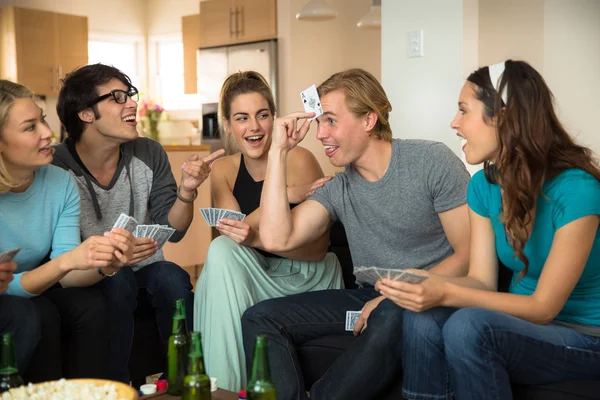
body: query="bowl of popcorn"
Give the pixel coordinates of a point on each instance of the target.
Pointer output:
(73, 389)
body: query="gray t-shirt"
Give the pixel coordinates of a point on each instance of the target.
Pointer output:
(393, 223)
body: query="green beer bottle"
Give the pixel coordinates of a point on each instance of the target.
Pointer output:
(9, 374)
(177, 350)
(260, 385)
(196, 385)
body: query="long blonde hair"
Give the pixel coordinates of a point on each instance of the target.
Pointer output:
(9, 93)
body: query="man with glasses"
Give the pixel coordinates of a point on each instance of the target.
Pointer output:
(119, 172)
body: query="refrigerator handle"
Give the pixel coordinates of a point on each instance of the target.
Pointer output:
(230, 23)
(237, 32)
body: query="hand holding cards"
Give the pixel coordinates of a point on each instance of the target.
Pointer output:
(213, 215)
(160, 233)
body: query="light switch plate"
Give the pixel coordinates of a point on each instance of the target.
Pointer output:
(415, 44)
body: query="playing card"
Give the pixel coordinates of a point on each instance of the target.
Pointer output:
(7, 256)
(351, 317)
(163, 235)
(411, 277)
(121, 221)
(311, 101)
(235, 215)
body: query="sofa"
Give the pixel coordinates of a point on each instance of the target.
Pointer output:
(318, 354)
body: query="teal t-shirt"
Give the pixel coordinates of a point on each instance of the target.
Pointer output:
(42, 221)
(571, 195)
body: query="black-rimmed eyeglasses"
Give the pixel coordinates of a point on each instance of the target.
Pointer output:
(120, 96)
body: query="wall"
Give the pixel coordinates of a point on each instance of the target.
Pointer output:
(164, 16)
(572, 65)
(423, 91)
(107, 17)
(310, 52)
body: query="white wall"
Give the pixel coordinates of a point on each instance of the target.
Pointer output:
(423, 91)
(572, 65)
(310, 52)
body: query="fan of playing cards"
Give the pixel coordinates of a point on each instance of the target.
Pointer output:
(8, 255)
(373, 274)
(160, 233)
(213, 215)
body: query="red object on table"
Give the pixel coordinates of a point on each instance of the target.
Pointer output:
(242, 394)
(161, 384)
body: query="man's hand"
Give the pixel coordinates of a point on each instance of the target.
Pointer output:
(144, 248)
(6, 274)
(297, 194)
(285, 133)
(238, 231)
(414, 297)
(361, 322)
(123, 242)
(195, 171)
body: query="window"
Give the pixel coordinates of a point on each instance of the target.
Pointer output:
(169, 85)
(120, 54)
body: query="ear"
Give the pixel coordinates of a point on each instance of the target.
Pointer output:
(226, 126)
(86, 115)
(370, 121)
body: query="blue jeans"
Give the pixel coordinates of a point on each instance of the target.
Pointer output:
(477, 353)
(361, 372)
(20, 316)
(164, 283)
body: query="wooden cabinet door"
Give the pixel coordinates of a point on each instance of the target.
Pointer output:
(257, 20)
(190, 28)
(36, 50)
(72, 43)
(217, 23)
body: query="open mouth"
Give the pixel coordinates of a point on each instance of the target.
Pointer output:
(130, 119)
(463, 142)
(255, 140)
(330, 149)
(46, 150)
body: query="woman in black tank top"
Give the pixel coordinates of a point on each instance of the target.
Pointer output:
(238, 273)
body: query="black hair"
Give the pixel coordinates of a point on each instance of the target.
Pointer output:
(78, 92)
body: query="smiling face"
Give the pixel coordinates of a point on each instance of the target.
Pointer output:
(26, 138)
(116, 122)
(343, 134)
(479, 137)
(251, 124)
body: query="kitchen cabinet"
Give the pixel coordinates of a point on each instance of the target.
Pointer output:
(190, 29)
(225, 22)
(190, 252)
(39, 47)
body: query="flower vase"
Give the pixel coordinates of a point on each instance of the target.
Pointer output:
(153, 132)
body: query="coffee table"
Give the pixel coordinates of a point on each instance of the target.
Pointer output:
(219, 394)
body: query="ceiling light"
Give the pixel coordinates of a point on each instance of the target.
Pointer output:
(373, 18)
(316, 10)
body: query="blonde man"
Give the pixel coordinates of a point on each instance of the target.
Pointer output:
(403, 205)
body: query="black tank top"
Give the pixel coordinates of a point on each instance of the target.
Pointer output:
(247, 193)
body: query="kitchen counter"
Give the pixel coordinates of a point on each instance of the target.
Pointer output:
(197, 147)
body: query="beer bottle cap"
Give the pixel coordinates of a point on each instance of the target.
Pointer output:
(242, 394)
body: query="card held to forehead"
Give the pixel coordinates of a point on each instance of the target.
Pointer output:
(311, 101)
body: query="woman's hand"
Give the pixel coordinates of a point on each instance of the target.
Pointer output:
(414, 297)
(297, 194)
(238, 231)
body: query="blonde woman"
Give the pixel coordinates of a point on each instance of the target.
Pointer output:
(39, 213)
(238, 273)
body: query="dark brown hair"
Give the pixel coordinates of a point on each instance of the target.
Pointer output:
(534, 147)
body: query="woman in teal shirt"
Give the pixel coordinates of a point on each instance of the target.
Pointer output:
(535, 206)
(39, 213)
